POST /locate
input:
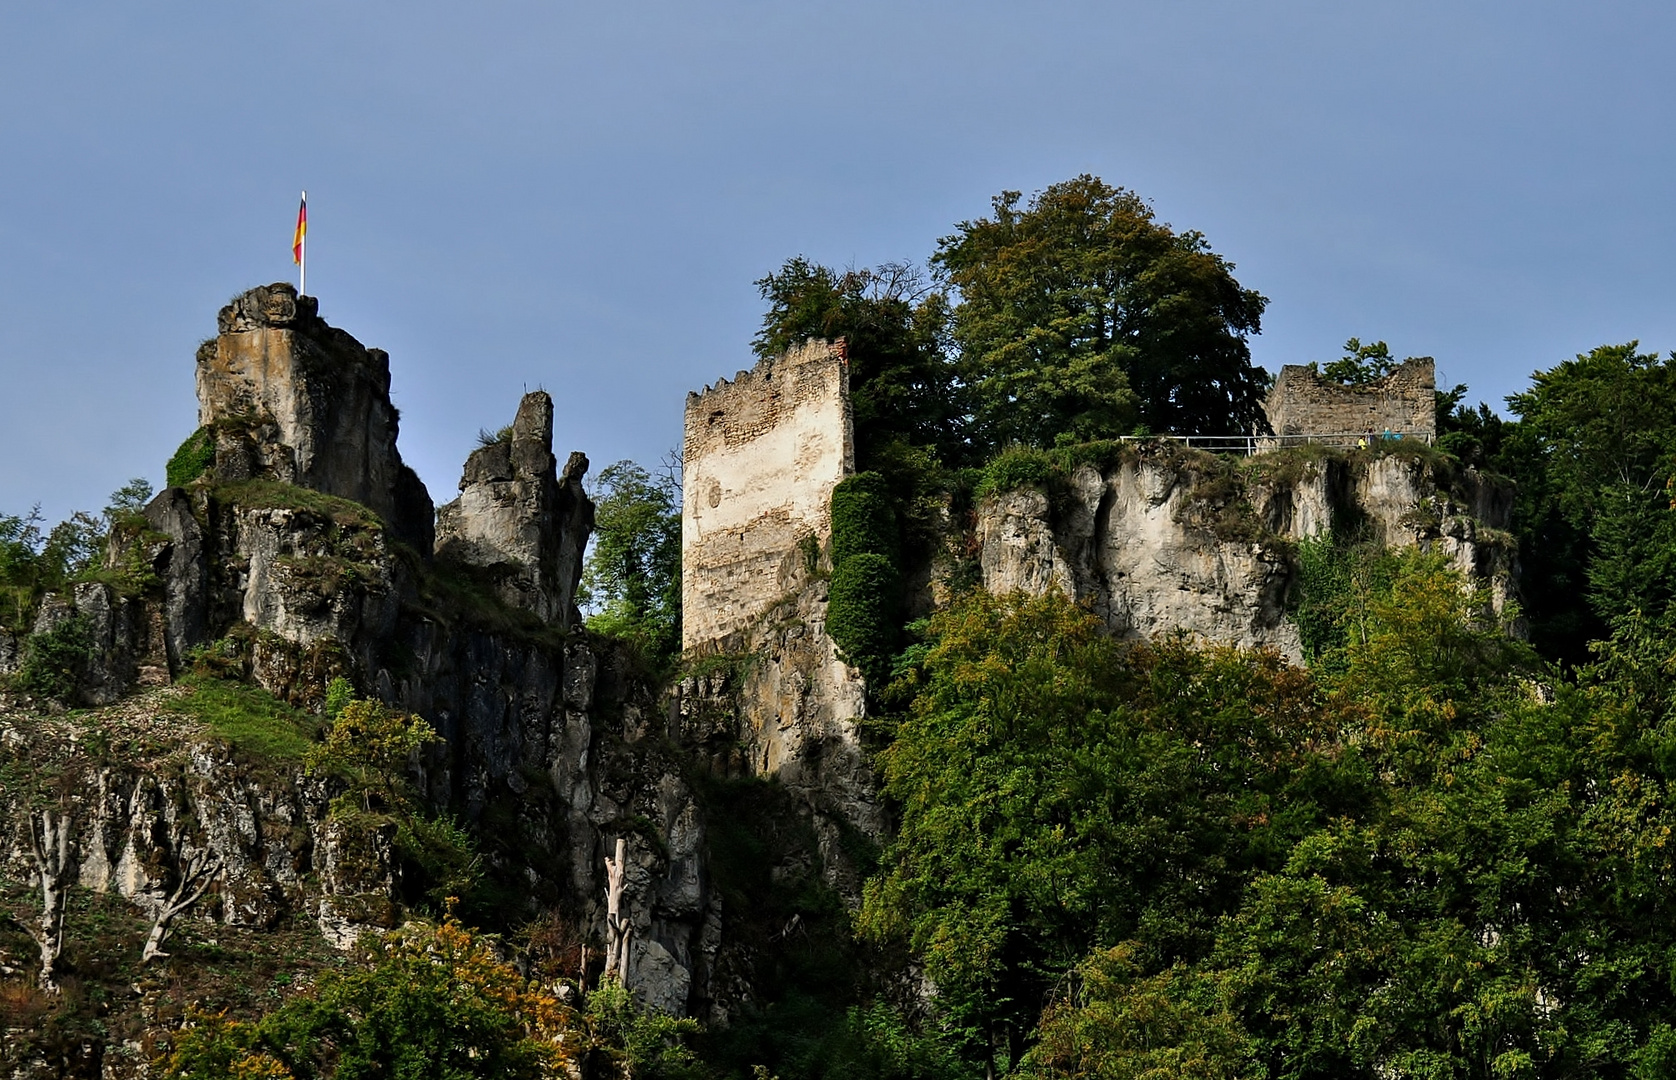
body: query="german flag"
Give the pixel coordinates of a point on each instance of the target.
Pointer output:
(302, 231)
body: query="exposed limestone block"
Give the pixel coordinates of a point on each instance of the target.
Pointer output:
(136, 822)
(1155, 543)
(184, 572)
(518, 516)
(295, 400)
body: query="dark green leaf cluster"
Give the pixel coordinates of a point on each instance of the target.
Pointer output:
(54, 662)
(1433, 858)
(1079, 314)
(1593, 453)
(902, 386)
(863, 602)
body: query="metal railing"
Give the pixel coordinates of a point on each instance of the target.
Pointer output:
(1257, 444)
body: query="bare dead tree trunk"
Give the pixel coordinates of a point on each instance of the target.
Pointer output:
(195, 875)
(616, 922)
(49, 843)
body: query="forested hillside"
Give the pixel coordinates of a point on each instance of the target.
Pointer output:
(1439, 847)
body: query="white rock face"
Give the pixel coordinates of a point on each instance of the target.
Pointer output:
(1162, 542)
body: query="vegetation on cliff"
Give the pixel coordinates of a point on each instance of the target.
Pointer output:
(1431, 851)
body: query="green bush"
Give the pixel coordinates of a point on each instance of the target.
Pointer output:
(53, 662)
(249, 717)
(192, 460)
(863, 518)
(861, 613)
(1017, 467)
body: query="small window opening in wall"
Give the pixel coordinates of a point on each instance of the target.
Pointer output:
(717, 415)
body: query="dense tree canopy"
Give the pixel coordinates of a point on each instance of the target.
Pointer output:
(1593, 454)
(902, 383)
(1207, 863)
(1080, 316)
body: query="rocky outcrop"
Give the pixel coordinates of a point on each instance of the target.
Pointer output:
(134, 823)
(775, 701)
(291, 399)
(183, 572)
(518, 518)
(1166, 539)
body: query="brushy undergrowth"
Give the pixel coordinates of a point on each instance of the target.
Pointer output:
(273, 495)
(249, 718)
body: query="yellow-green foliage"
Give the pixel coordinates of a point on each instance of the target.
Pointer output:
(192, 460)
(423, 1001)
(370, 745)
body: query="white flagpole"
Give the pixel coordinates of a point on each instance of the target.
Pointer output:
(302, 254)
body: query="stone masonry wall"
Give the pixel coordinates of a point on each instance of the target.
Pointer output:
(762, 455)
(1303, 403)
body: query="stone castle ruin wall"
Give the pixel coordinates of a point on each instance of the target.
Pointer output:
(1403, 402)
(761, 456)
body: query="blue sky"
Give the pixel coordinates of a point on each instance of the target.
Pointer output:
(578, 197)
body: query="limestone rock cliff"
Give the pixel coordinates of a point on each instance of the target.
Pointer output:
(292, 399)
(519, 519)
(1165, 539)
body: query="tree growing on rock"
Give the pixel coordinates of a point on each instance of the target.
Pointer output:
(193, 876)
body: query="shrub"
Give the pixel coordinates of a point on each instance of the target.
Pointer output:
(191, 460)
(1018, 467)
(53, 662)
(863, 519)
(861, 613)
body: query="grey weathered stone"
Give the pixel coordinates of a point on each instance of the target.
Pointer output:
(292, 399)
(1301, 402)
(518, 517)
(184, 572)
(1135, 542)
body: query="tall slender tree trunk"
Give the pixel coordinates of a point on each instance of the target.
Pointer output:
(617, 929)
(49, 844)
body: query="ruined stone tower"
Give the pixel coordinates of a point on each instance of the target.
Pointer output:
(1303, 403)
(762, 455)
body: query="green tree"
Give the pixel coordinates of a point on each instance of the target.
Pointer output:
(1060, 790)
(1080, 315)
(422, 1001)
(372, 748)
(1116, 1022)
(632, 579)
(36, 561)
(1361, 365)
(902, 382)
(1593, 453)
